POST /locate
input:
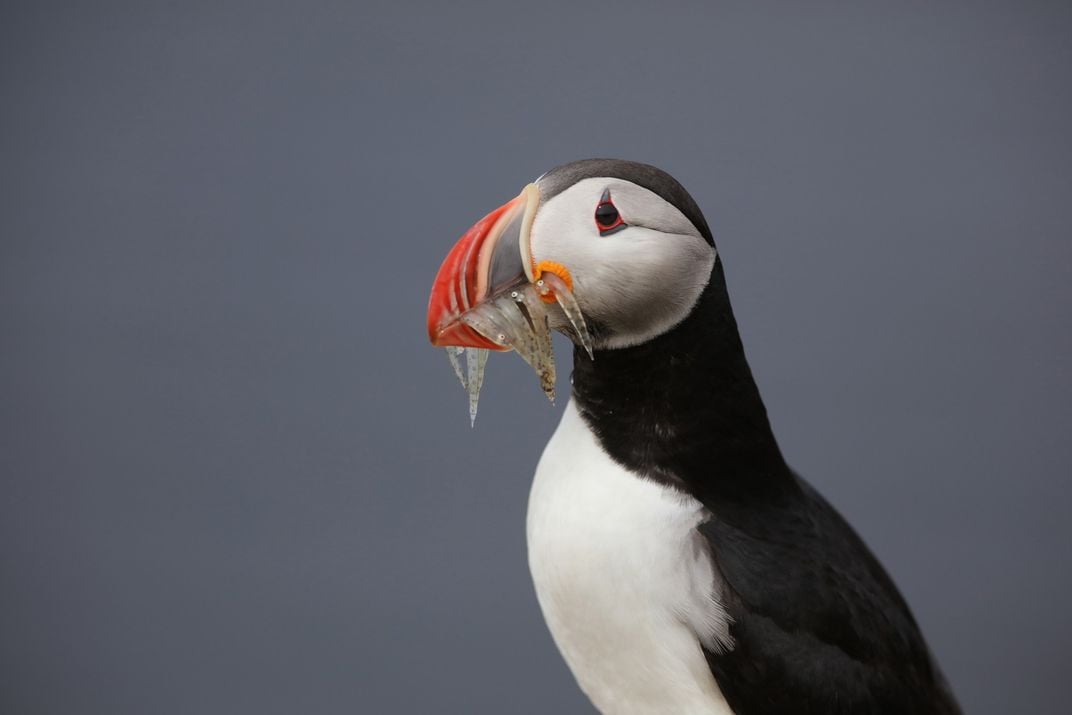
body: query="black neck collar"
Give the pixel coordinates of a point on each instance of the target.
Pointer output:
(683, 408)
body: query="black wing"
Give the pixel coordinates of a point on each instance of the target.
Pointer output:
(818, 625)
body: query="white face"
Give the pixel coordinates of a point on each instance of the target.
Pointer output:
(636, 282)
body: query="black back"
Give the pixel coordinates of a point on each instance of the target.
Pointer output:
(818, 625)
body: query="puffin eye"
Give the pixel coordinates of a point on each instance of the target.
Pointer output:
(608, 220)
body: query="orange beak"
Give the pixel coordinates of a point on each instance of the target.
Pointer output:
(489, 258)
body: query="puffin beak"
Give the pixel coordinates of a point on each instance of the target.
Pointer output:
(488, 259)
(489, 294)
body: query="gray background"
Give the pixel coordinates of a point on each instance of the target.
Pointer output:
(235, 477)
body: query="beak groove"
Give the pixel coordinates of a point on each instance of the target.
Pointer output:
(490, 295)
(489, 258)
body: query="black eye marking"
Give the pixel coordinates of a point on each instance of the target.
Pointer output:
(608, 220)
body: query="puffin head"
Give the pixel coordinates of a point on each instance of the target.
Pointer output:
(624, 238)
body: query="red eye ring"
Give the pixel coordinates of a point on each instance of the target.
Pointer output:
(607, 218)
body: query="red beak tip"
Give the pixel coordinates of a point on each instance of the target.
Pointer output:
(458, 334)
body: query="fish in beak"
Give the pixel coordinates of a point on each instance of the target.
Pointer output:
(489, 294)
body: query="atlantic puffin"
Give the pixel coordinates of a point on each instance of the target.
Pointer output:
(680, 564)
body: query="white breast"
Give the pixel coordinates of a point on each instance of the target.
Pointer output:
(624, 581)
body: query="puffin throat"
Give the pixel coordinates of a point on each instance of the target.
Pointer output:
(683, 408)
